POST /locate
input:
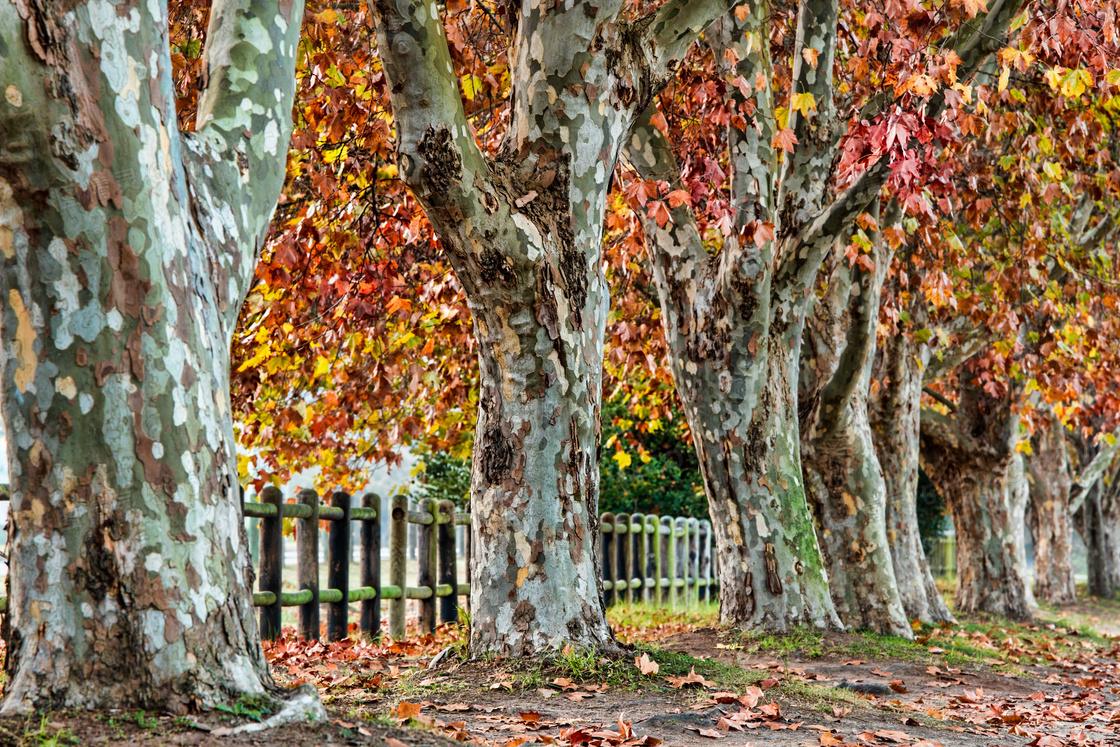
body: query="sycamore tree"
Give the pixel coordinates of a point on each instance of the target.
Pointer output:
(127, 247)
(806, 157)
(523, 231)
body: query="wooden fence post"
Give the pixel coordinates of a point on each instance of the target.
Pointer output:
(467, 560)
(338, 568)
(705, 561)
(694, 560)
(272, 562)
(637, 556)
(426, 564)
(608, 538)
(307, 564)
(622, 557)
(680, 539)
(370, 621)
(448, 573)
(651, 565)
(669, 560)
(398, 564)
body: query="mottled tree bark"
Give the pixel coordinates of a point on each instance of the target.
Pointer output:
(523, 232)
(1051, 522)
(843, 478)
(127, 248)
(971, 459)
(895, 416)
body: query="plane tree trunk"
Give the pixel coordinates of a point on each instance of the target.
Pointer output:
(1051, 521)
(895, 415)
(523, 232)
(126, 249)
(843, 478)
(970, 457)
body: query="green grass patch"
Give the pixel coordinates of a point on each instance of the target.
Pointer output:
(648, 617)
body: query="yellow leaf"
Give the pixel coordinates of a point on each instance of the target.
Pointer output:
(1003, 77)
(623, 459)
(811, 56)
(1113, 77)
(803, 102)
(322, 367)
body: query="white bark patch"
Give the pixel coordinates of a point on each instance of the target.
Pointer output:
(66, 288)
(117, 427)
(66, 387)
(14, 96)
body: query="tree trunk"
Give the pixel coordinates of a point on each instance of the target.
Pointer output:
(895, 414)
(535, 483)
(1087, 520)
(1051, 524)
(523, 231)
(971, 459)
(843, 479)
(127, 249)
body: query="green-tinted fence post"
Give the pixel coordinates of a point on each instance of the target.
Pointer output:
(622, 557)
(680, 540)
(669, 555)
(398, 537)
(637, 557)
(606, 528)
(651, 554)
(338, 568)
(448, 573)
(705, 561)
(307, 564)
(370, 620)
(272, 562)
(426, 565)
(693, 560)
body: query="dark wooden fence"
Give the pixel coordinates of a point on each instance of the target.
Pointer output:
(437, 563)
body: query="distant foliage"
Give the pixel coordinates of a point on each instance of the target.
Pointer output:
(648, 466)
(932, 516)
(443, 476)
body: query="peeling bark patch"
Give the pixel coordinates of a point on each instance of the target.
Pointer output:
(443, 166)
(26, 358)
(773, 577)
(497, 455)
(494, 266)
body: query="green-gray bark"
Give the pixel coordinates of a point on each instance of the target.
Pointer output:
(843, 477)
(127, 248)
(523, 232)
(970, 456)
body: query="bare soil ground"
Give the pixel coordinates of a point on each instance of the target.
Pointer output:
(983, 684)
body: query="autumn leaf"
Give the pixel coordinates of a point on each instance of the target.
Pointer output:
(811, 55)
(406, 711)
(646, 665)
(803, 102)
(785, 139)
(690, 679)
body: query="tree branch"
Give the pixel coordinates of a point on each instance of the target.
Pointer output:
(236, 159)
(436, 148)
(806, 172)
(1093, 471)
(675, 26)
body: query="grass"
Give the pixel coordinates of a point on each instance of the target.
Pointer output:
(647, 616)
(44, 735)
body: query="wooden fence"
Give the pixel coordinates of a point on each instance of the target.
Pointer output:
(658, 560)
(662, 560)
(436, 576)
